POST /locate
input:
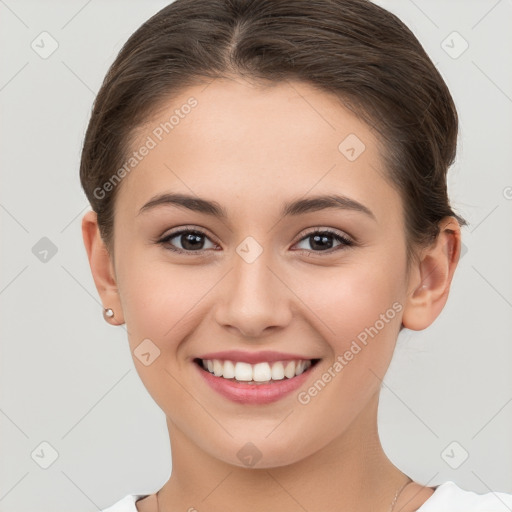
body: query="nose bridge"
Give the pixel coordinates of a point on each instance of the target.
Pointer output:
(253, 298)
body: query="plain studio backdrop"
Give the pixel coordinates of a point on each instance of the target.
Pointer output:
(78, 429)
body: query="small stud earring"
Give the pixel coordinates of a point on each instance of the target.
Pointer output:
(108, 313)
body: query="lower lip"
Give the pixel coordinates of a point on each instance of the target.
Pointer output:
(254, 393)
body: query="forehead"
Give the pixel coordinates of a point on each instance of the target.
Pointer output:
(246, 145)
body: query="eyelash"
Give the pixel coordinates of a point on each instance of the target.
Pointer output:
(346, 242)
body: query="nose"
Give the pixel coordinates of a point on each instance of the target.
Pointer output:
(254, 298)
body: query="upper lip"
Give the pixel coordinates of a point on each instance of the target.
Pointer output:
(253, 357)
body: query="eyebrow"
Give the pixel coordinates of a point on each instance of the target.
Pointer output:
(292, 208)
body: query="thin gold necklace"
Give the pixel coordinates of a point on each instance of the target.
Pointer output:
(393, 503)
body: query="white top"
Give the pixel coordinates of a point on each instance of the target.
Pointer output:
(447, 497)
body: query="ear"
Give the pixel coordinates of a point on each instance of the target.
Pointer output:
(102, 268)
(430, 278)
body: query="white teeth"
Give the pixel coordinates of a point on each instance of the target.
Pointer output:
(259, 372)
(299, 368)
(229, 370)
(307, 364)
(218, 368)
(243, 371)
(277, 371)
(289, 370)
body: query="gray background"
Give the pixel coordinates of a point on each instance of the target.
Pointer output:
(67, 377)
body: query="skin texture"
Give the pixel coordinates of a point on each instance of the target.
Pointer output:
(251, 149)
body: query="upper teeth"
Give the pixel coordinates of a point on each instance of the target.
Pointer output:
(259, 372)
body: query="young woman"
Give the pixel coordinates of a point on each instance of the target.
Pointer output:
(270, 209)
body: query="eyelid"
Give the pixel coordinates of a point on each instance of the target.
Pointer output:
(324, 229)
(187, 228)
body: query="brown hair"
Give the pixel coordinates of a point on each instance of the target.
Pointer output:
(353, 48)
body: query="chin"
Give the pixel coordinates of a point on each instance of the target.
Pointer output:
(262, 453)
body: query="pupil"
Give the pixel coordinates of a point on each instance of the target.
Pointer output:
(191, 241)
(321, 239)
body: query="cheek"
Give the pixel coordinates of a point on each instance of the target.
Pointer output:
(350, 300)
(359, 316)
(161, 299)
(160, 302)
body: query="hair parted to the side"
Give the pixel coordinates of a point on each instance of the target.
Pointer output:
(358, 51)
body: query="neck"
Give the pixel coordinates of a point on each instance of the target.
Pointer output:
(351, 473)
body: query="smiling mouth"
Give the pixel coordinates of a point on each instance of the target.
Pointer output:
(259, 373)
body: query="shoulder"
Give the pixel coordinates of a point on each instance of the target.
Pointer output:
(449, 496)
(127, 504)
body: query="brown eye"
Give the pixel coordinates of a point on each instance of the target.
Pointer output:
(188, 241)
(323, 241)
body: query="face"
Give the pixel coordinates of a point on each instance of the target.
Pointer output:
(320, 281)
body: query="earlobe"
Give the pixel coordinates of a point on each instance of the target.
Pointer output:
(431, 277)
(102, 268)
